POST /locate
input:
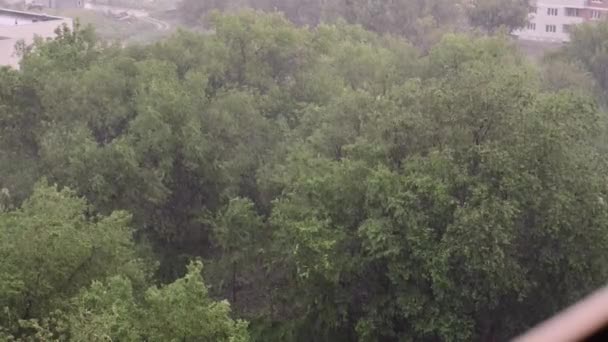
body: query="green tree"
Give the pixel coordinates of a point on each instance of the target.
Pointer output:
(239, 232)
(20, 124)
(492, 15)
(105, 311)
(181, 311)
(193, 11)
(421, 22)
(338, 183)
(587, 50)
(435, 236)
(52, 246)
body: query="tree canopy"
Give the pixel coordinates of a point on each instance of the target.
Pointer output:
(587, 51)
(337, 184)
(421, 22)
(491, 15)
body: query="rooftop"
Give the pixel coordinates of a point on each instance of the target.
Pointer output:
(18, 18)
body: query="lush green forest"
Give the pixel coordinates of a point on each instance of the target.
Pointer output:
(272, 182)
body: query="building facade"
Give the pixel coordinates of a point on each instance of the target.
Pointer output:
(18, 26)
(551, 20)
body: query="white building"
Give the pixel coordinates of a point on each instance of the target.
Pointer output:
(551, 20)
(18, 26)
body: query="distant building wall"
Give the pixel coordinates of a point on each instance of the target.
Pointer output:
(552, 20)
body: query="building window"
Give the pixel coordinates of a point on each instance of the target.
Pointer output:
(572, 12)
(596, 14)
(551, 28)
(551, 11)
(534, 9)
(532, 26)
(567, 28)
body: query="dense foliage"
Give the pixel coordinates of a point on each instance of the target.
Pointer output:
(338, 185)
(421, 22)
(491, 15)
(588, 52)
